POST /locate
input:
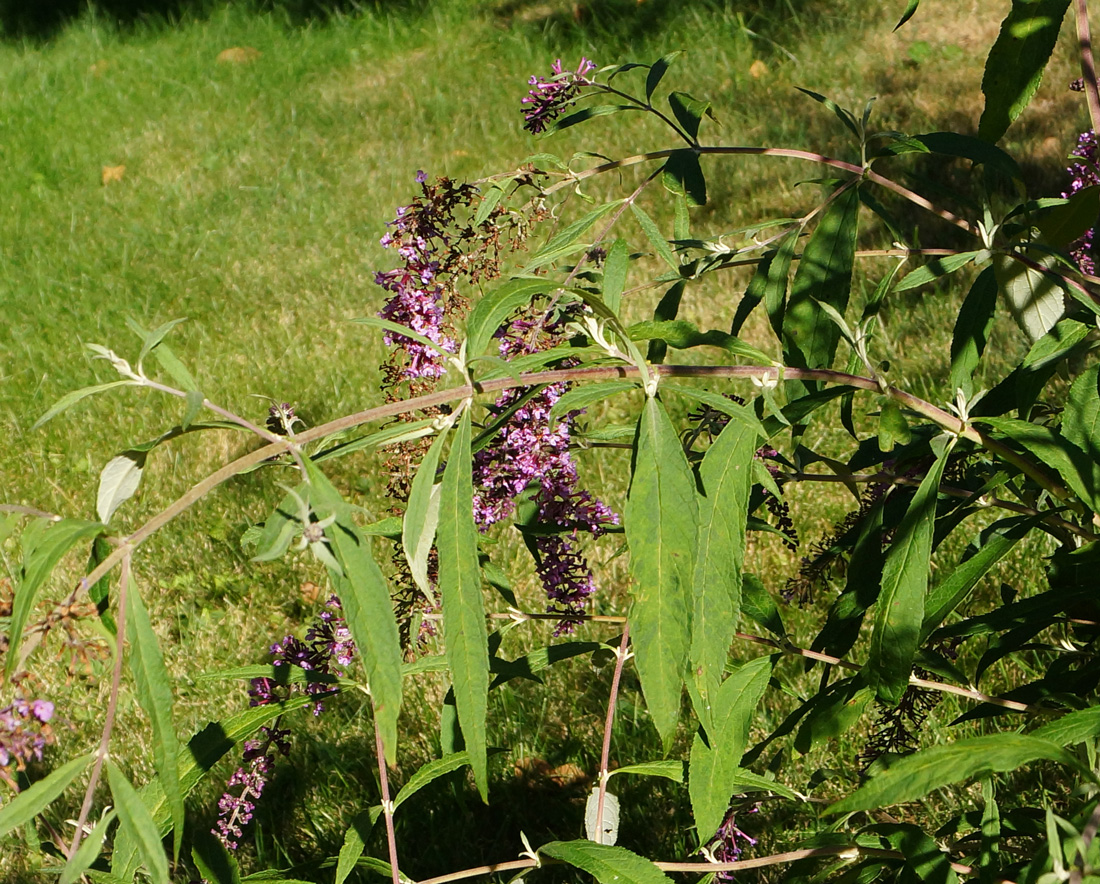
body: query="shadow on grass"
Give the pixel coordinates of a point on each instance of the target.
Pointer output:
(39, 21)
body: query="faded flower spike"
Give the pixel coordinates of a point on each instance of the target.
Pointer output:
(549, 98)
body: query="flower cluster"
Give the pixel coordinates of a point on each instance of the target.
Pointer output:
(532, 454)
(24, 733)
(436, 247)
(327, 641)
(728, 843)
(327, 649)
(1085, 172)
(548, 98)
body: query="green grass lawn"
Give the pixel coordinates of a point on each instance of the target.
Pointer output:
(251, 203)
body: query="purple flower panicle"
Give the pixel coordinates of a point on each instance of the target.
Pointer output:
(530, 452)
(1085, 172)
(729, 843)
(327, 648)
(549, 98)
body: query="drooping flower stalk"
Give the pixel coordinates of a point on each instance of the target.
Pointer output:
(327, 649)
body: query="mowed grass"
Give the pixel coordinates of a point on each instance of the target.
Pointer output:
(251, 203)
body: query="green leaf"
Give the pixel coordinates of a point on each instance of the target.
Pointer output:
(582, 397)
(490, 312)
(615, 267)
(657, 71)
(418, 525)
(683, 176)
(979, 152)
(653, 234)
(758, 605)
(607, 863)
(824, 275)
(726, 477)
(938, 267)
(135, 818)
(661, 519)
(117, 483)
(742, 781)
(44, 543)
(464, 631)
(365, 599)
(89, 850)
(1068, 222)
(904, 585)
(214, 862)
(670, 770)
(910, 8)
(1034, 297)
(25, 806)
(354, 843)
(565, 242)
(845, 116)
(154, 690)
(194, 400)
(689, 112)
(715, 760)
(156, 336)
(682, 334)
(1076, 468)
(1072, 728)
(972, 328)
(665, 311)
(834, 712)
(1081, 418)
(70, 399)
(530, 664)
(1015, 64)
(425, 774)
(914, 776)
(587, 113)
(990, 547)
(924, 860)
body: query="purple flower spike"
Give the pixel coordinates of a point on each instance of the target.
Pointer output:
(24, 733)
(1085, 171)
(549, 98)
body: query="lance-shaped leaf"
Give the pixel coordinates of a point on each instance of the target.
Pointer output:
(615, 266)
(824, 276)
(70, 399)
(661, 527)
(714, 761)
(567, 241)
(915, 776)
(726, 476)
(136, 820)
(495, 307)
(25, 806)
(972, 328)
(154, 690)
(368, 611)
(607, 863)
(421, 517)
(904, 585)
(1014, 67)
(464, 630)
(89, 850)
(670, 769)
(44, 543)
(653, 234)
(683, 176)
